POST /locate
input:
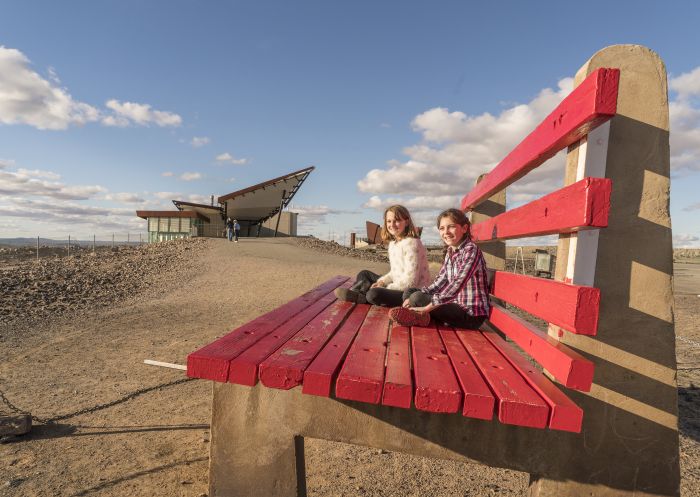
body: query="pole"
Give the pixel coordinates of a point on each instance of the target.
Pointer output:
(128, 237)
(93, 243)
(37, 248)
(352, 240)
(284, 192)
(68, 245)
(112, 240)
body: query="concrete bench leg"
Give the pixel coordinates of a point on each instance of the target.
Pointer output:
(260, 459)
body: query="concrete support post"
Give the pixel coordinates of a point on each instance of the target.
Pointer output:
(629, 443)
(494, 252)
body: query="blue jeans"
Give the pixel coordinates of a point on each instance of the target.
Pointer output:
(229, 232)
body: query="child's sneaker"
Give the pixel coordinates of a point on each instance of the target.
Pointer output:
(350, 295)
(408, 317)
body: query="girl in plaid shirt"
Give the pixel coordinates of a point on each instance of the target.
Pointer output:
(459, 296)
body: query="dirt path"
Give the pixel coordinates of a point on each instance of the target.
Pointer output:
(156, 443)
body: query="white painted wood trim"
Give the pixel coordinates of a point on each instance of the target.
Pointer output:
(583, 246)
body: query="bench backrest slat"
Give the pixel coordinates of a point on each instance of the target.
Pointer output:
(572, 307)
(589, 105)
(582, 205)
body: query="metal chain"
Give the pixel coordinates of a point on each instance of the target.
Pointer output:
(92, 409)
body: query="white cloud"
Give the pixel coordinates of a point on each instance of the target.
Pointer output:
(230, 159)
(684, 114)
(685, 240)
(43, 184)
(200, 141)
(692, 207)
(5, 163)
(27, 98)
(190, 176)
(687, 84)
(127, 113)
(167, 174)
(456, 148)
(311, 216)
(125, 198)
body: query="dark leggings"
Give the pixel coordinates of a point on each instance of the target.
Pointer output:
(449, 314)
(377, 295)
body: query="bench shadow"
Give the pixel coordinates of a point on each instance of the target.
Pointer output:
(137, 474)
(689, 412)
(57, 430)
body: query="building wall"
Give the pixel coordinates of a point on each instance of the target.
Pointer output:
(287, 226)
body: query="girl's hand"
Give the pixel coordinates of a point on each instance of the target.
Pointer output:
(406, 303)
(378, 284)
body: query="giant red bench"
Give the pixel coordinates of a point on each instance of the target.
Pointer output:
(426, 383)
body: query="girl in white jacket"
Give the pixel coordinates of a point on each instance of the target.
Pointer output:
(408, 262)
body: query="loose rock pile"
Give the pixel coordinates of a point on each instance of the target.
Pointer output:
(368, 254)
(37, 291)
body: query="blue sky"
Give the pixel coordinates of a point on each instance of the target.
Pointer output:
(108, 107)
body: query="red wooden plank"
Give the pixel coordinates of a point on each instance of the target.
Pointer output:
(319, 376)
(478, 399)
(589, 105)
(437, 388)
(244, 368)
(284, 369)
(569, 367)
(362, 375)
(518, 403)
(212, 361)
(564, 414)
(572, 307)
(582, 205)
(398, 385)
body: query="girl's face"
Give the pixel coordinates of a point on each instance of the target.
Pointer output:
(395, 226)
(451, 232)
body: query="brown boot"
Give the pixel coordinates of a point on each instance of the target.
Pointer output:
(350, 295)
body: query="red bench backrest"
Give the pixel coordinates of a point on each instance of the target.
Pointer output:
(583, 205)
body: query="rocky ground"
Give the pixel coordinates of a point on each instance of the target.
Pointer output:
(54, 287)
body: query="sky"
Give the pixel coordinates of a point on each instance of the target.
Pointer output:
(113, 106)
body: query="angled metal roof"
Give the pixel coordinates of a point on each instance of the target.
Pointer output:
(264, 200)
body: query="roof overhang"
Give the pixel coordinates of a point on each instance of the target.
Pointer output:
(191, 214)
(260, 202)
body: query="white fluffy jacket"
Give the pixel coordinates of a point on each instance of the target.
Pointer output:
(408, 261)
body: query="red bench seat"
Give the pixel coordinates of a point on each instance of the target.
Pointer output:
(336, 349)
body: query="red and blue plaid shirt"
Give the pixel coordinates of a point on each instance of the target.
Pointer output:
(462, 280)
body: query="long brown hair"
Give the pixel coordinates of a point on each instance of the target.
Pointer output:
(457, 216)
(400, 212)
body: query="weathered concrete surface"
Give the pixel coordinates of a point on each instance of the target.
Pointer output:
(629, 443)
(494, 252)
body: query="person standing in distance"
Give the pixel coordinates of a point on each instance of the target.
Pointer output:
(236, 230)
(229, 229)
